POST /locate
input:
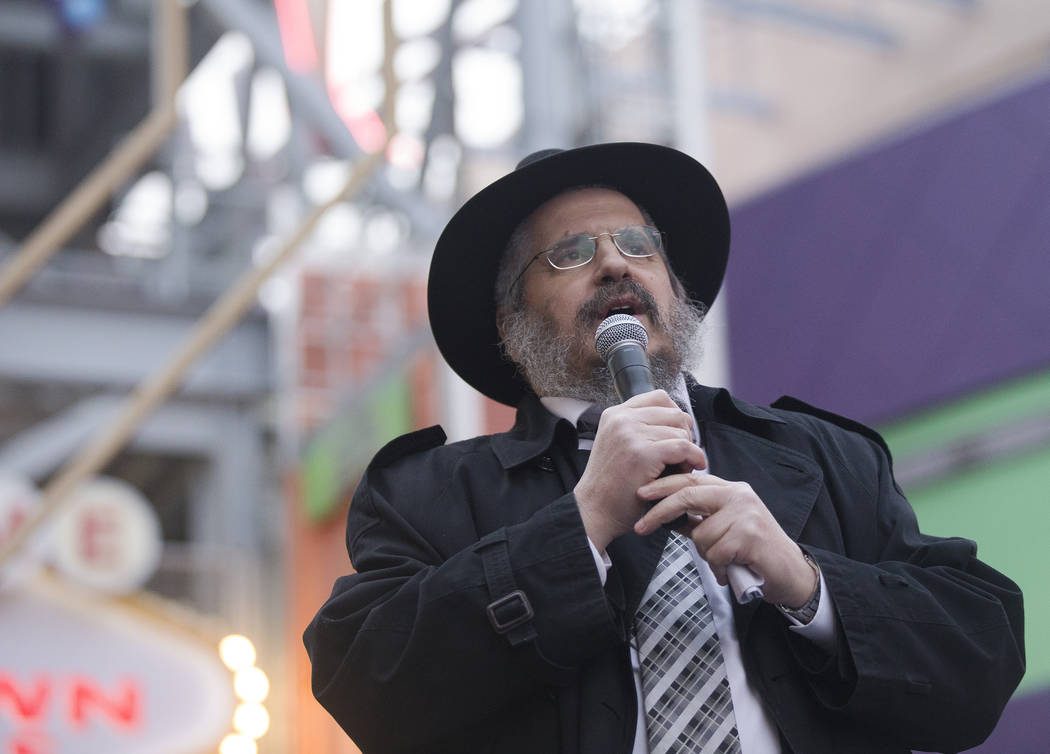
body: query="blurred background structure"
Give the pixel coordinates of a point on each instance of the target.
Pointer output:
(888, 172)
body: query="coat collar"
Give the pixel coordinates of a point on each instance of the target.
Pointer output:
(717, 403)
(535, 429)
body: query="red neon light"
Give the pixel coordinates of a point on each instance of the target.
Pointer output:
(123, 708)
(27, 705)
(297, 35)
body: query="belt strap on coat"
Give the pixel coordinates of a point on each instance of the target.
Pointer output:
(510, 611)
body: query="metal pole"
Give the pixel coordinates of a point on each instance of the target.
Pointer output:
(690, 89)
(216, 322)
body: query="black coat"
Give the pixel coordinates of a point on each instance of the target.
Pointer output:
(406, 658)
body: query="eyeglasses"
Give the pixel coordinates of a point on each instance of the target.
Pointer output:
(634, 241)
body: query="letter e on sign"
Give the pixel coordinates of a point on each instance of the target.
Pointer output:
(108, 538)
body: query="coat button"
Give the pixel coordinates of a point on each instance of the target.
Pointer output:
(546, 463)
(892, 581)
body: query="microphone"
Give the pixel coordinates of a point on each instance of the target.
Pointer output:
(620, 341)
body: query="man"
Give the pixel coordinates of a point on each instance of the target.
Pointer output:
(538, 591)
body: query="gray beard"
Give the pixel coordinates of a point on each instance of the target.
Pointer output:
(563, 365)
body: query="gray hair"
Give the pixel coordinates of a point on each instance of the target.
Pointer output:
(517, 247)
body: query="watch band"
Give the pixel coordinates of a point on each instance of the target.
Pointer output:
(804, 614)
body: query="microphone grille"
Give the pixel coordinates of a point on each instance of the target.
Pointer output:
(616, 329)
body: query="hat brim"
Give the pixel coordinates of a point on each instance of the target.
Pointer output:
(679, 194)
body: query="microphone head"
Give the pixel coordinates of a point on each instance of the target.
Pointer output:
(616, 329)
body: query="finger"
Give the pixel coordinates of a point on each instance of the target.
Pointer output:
(664, 486)
(705, 500)
(678, 450)
(649, 452)
(713, 540)
(723, 556)
(721, 575)
(704, 531)
(661, 432)
(651, 415)
(655, 403)
(652, 398)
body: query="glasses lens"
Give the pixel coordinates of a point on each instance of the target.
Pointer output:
(570, 252)
(638, 241)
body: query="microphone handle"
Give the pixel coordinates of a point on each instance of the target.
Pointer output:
(629, 365)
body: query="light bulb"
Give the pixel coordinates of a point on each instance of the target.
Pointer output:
(237, 652)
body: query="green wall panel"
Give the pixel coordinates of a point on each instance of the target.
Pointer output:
(1005, 404)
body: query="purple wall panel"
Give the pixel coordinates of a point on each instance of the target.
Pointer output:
(904, 276)
(1024, 727)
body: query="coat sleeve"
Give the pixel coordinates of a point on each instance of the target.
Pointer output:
(404, 655)
(932, 638)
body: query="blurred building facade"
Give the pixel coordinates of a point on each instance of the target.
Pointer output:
(799, 108)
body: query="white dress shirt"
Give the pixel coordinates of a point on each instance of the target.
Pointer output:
(758, 734)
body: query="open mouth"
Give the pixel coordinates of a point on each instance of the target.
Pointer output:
(627, 297)
(625, 306)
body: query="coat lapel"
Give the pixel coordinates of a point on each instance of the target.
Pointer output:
(634, 560)
(785, 480)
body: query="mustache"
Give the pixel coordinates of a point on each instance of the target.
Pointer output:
(596, 306)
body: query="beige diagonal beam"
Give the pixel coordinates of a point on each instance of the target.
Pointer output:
(169, 67)
(223, 315)
(216, 322)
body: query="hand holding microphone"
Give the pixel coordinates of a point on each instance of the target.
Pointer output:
(621, 342)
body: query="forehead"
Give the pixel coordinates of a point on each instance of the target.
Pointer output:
(583, 209)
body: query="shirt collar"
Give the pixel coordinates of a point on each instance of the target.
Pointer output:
(568, 409)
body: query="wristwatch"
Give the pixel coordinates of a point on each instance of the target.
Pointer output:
(804, 614)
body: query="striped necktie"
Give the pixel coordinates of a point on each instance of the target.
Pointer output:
(688, 706)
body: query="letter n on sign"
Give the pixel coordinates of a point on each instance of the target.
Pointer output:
(123, 708)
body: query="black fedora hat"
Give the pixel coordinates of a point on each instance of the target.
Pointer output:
(679, 194)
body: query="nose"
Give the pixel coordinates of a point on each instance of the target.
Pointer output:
(609, 264)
